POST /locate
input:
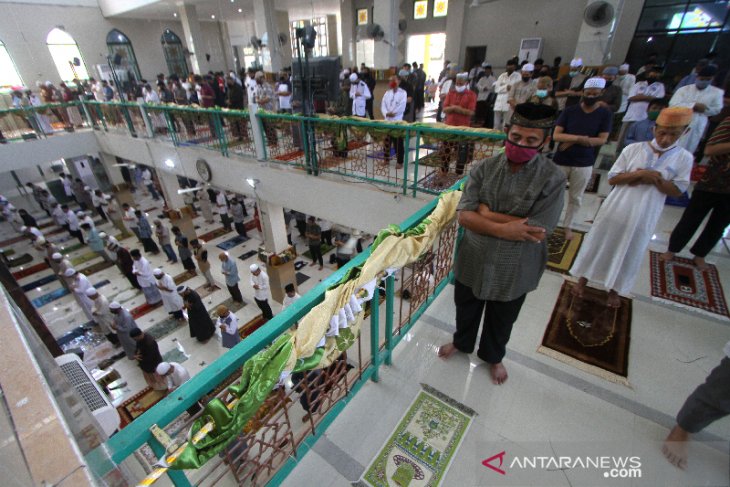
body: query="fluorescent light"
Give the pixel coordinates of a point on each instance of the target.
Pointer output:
(188, 190)
(212, 16)
(174, 14)
(252, 182)
(240, 10)
(169, 163)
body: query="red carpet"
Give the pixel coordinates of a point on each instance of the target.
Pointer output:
(143, 309)
(30, 270)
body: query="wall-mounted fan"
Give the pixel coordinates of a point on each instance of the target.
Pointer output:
(599, 14)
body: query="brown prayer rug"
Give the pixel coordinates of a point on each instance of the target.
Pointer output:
(184, 276)
(588, 335)
(212, 235)
(561, 252)
(138, 404)
(99, 266)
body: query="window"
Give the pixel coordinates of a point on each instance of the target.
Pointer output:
(321, 47)
(440, 8)
(122, 53)
(420, 9)
(8, 73)
(66, 55)
(174, 54)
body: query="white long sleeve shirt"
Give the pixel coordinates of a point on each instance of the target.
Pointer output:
(359, 93)
(230, 322)
(503, 88)
(143, 270)
(394, 102)
(177, 377)
(262, 281)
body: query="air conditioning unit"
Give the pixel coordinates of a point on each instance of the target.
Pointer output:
(98, 403)
(531, 48)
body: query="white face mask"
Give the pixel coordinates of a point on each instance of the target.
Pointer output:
(460, 89)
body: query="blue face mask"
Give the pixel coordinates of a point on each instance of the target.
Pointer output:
(573, 73)
(701, 84)
(541, 93)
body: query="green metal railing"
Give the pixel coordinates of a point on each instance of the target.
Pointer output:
(105, 461)
(36, 122)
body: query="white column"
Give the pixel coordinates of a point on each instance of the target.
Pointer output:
(273, 226)
(347, 32)
(386, 15)
(193, 36)
(170, 185)
(455, 31)
(266, 21)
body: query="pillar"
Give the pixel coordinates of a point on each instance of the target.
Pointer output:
(347, 33)
(267, 21)
(121, 190)
(193, 36)
(386, 14)
(274, 230)
(455, 32)
(179, 213)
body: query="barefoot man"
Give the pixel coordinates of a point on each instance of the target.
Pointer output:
(510, 203)
(643, 175)
(708, 403)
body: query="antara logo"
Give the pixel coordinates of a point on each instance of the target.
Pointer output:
(488, 463)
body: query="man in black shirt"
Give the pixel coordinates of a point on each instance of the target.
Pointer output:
(370, 82)
(148, 358)
(408, 115)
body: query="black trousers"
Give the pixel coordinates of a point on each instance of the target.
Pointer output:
(240, 228)
(113, 338)
(709, 402)
(326, 236)
(132, 280)
(235, 293)
(78, 235)
(302, 227)
(100, 211)
(263, 305)
(316, 251)
(701, 203)
(150, 245)
(177, 314)
(226, 221)
(399, 149)
(499, 316)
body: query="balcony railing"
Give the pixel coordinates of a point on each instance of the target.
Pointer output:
(410, 158)
(310, 359)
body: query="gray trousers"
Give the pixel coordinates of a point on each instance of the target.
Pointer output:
(709, 402)
(209, 277)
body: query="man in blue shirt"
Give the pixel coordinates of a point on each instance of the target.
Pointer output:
(644, 131)
(580, 131)
(230, 271)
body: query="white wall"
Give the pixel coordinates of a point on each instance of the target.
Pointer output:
(24, 27)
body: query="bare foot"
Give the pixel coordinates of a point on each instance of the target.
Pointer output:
(666, 256)
(569, 234)
(447, 350)
(614, 300)
(498, 373)
(675, 447)
(700, 263)
(321, 267)
(578, 289)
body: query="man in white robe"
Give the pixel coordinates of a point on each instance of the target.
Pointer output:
(643, 175)
(143, 270)
(79, 286)
(705, 101)
(103, 315)
(171, 300)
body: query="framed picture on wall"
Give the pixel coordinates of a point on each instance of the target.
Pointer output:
(440, 7)
(420, 9)
(362, 16)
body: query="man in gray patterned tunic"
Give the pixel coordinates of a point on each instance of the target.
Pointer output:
(510, 204)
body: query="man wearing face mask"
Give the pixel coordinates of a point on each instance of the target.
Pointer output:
(704, 100)
(543, 93)
(485, 95)
(511, 202)
(393, 106)
(642, 177)
(405, 85)
(524, 88)
(502, 88)
(459, 106)
(579, 131)
(644, 131)
(612, 93)
(570, 87)
(644, 91)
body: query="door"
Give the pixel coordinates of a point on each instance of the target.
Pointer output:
(474, 55)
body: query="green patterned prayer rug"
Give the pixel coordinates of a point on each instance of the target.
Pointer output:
(84, 258)
(421, 448)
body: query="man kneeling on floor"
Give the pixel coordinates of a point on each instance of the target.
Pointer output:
(510, 203)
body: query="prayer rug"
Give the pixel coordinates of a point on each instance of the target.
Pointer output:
(72, 248)
(163, 328)
(39, 282)
(204, 291)
(680, 283)
(22, 260)
(30, 270)
(324, 248)
(561, 252)
(229, 303)
(247, 255)
(681, 201)
(250, 225)
(184, 276)
(8, 252)
(290, 156)
(431, 160)
(594, 183)
(251, 326)
(588, 335)
(175, 355)
(301, 278)
(98, 267)
(47, 224)
(143, 309)
(54, 232)
(437, 182)
(139, 403)
(299, 264)
(75, 333)
(58, 294)
(82, 259)
(230, 243)
(212, 235)
(420, 450)
(13, 240)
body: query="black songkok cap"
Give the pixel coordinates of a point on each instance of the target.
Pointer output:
(534, 116)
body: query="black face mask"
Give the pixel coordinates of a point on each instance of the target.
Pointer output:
(590, 100)
(608, 83)
(526, 78)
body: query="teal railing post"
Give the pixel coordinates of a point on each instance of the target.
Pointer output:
(407, 150)
(178, 477)
(415, 163)
(305, 146)
(389, 301)
(128, 119)
(375, 333)
(218, 124)
(87, 115)
(264, 137)
(170, 126)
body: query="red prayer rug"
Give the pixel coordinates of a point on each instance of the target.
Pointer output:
(13, 240)
(218, 232)
(680, 283)
(143, 309)
(30, 270)
(290, 156)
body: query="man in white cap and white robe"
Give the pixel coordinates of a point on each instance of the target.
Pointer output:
(503, 88)
(176, 375)
(60, 265)
(359, 94)
(79, 286)
(626, 81)
(525, 88)
(171, 300)
(569, 88)
(143, 270)
(579, 131)
(260, 283)
(103, 315)
(123, 324)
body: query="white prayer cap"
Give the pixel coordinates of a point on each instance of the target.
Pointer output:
(182, 288)
(462, 76)
(91, 292)
(56, 256)
(48, 83)
(115, 305)
(529, 67)
(599, 83)
(486, 65)
(576, 63)
(87, 188)
(69, 272)
(346, 71)
(624, 67)
(107, 197)
(40, 241)
(157, 272)
(163, 368)
(80, 213)
(103, 235)
(253, 267)
(353, 77)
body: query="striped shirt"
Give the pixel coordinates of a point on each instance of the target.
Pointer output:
(717, 177)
